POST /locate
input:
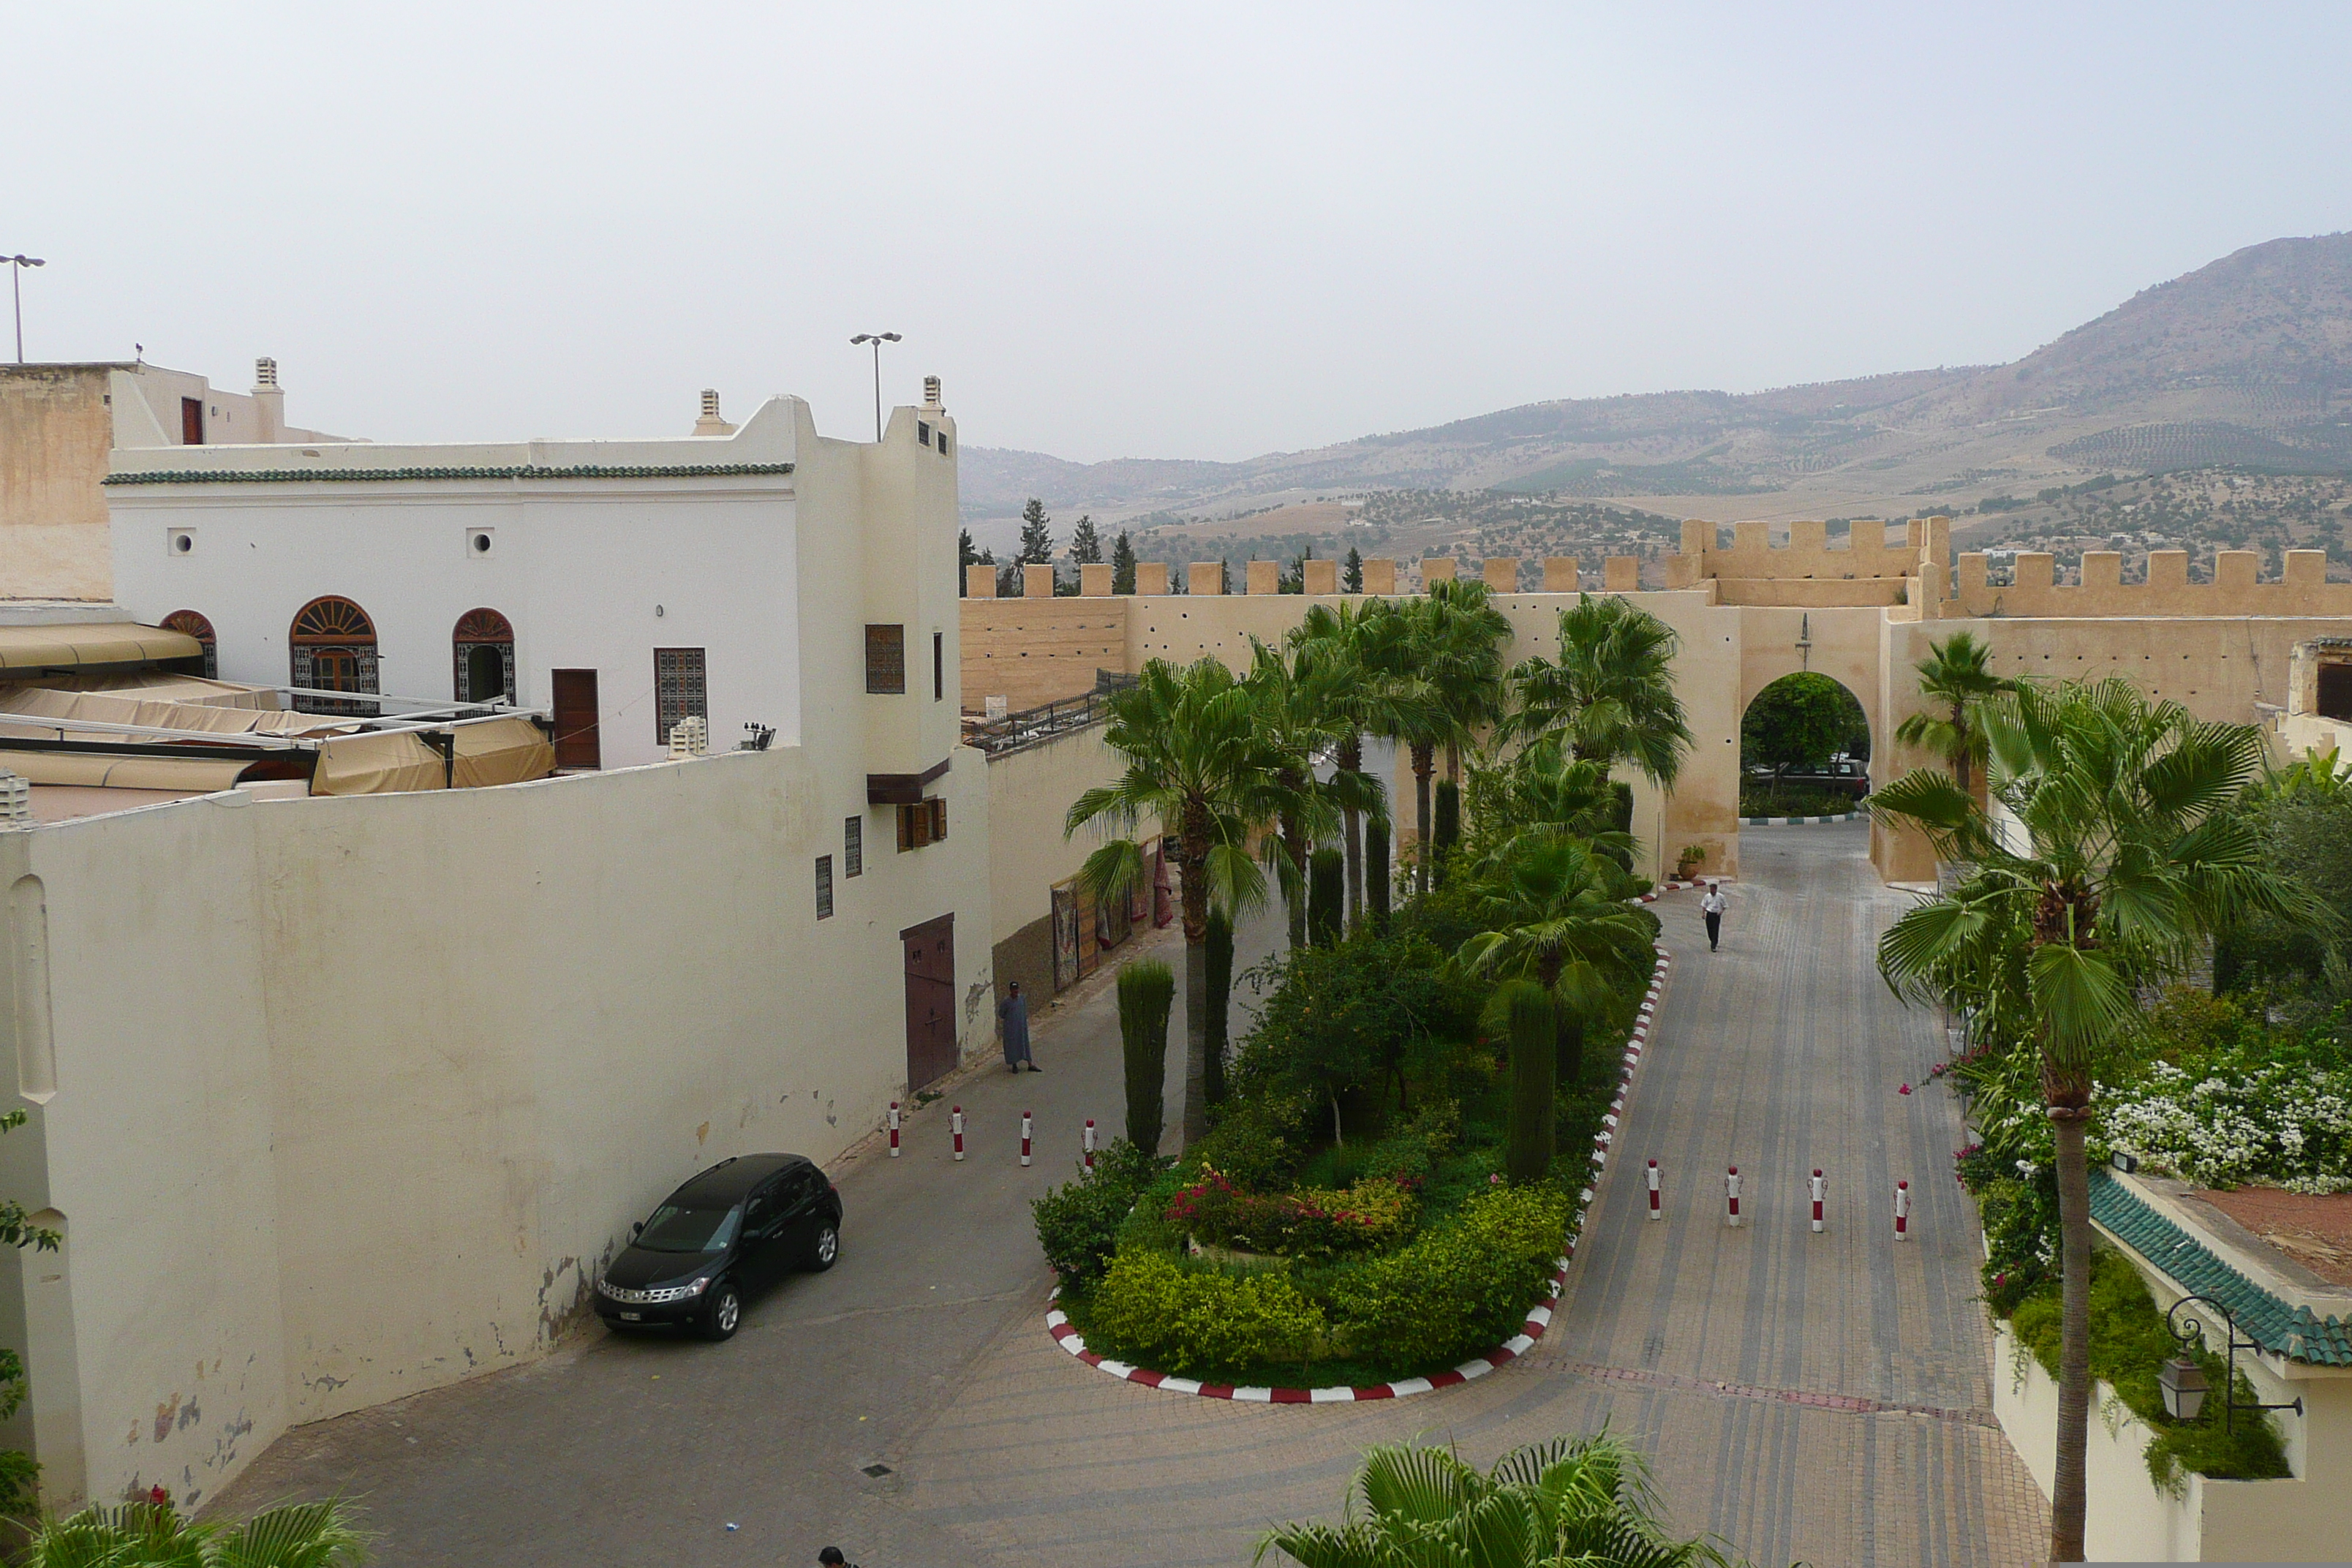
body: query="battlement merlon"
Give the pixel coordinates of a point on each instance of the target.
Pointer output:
(2301, 589)
(1867, 554)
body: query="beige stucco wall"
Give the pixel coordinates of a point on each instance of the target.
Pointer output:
(55, 431)
(353, 1095)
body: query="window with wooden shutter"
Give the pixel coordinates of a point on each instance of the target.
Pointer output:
(886, 662)
(938, 808)
(681, 690)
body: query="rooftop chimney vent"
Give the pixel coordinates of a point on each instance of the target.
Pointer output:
(930, 392)
(265, 372)
(711, 424)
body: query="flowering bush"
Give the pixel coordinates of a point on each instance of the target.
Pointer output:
(1310, 1223)
(2283, 1126)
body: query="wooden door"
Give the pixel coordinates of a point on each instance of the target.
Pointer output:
(930, 1000)
(577, 743)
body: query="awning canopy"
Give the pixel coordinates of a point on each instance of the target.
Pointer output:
(28, 650)
(193, 774)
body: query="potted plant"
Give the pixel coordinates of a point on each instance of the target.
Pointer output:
(1688, 859)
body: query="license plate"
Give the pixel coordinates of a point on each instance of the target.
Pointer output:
(633, 1317)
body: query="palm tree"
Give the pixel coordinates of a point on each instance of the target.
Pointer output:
(1567, 1503)
(1197, 762)
(2124, 860)
(293, 1536)
(1958, 675)
(1611, 691)
(1555, 913)
(1358, 656)
(1291, 696)
(1452, 642)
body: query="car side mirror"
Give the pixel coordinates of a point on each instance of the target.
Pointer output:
(637, 1230)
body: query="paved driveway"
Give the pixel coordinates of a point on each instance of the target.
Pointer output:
(1821, 1397)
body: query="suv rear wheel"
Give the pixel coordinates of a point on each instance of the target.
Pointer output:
(725, 1313)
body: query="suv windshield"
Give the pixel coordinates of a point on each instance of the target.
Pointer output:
(673, 1228)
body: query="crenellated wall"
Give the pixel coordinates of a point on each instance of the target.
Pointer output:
(2301, 589)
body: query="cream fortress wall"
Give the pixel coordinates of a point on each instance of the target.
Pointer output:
(1861, 610)
(339, 1099)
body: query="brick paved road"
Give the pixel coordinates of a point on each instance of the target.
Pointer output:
(1850, 1424)
(1849, 1428)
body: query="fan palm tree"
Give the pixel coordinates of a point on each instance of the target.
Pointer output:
(1555, 913)
(1955, 677)
(1355, 652)
(1611, 692)
(1585, 1503)
(156, 1535)
(1198, 763)
(2124, 860)
(1291, 695)
(1452, 642)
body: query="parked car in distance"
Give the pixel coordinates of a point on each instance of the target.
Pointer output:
(731, 1232)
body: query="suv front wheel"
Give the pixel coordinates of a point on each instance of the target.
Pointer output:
(825, 1246)
(725, 1313)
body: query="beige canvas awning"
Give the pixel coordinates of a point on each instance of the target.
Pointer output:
(504, 750)
(193, 774)
(30, 650)
(165, 706)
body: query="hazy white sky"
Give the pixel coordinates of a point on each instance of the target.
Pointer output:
(1165, 231)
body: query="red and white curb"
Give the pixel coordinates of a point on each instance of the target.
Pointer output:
(1539, 1317)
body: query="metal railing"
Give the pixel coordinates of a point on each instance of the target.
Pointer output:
(1031, 725)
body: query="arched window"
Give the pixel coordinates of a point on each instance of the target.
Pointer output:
(483, 646)
(333, 649)
(196, 626)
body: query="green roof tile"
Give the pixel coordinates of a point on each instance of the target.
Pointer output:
(380, 476)
(2294, 1332)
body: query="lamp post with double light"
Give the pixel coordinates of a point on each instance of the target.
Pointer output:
(2183, 1381)
(877, 339)
(17, 265)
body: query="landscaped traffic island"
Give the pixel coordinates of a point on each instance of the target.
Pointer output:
(1349, 1223)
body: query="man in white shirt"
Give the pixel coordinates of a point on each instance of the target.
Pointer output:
(1711, 906)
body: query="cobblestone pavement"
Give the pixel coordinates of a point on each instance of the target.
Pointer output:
(1816, 1397)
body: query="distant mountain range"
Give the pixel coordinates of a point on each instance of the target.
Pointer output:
(2246, 362)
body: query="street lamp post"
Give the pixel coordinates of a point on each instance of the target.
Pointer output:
(877, 339)
(17, 265)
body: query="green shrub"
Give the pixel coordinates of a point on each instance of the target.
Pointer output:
(1157, 1312)
(1146, 990)
(1454, 1292)
(1078, 1221)
(1311, 1223)
(2130, 1345)
(1257, 1144)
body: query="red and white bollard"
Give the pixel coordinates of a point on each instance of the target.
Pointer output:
(1821, 1191)
(1902, 1211)
(1090, 1143)
(1656, 1184)
(1027, 1127)
(894, 1129)
(1731, 1196)
(955, 1121)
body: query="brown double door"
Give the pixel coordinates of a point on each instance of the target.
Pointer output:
(578, 744)
(930, 1000)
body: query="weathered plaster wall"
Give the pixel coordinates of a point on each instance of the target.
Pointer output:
(1035, 651)
(54, 430)
(353, 1095)
(2302, 588)
(1029, 796)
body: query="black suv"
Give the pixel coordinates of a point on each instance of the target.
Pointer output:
(735, 1229)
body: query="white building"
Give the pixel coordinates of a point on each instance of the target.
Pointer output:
(336, 1098)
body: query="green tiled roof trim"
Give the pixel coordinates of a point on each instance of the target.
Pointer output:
(2290, 1332)
(380, 476)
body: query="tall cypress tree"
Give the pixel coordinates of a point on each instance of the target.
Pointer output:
(1351, 580)
(1036, 539)
(966, 556)
(1085, 544)
(1122, 565)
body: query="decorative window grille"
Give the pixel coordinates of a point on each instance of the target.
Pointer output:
(886, 662)
(853, 847)
(824, 887)
(679, 691)
(483, 653)
(196, 626)
(331, 648)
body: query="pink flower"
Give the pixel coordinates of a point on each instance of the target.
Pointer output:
(1904, 1090)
